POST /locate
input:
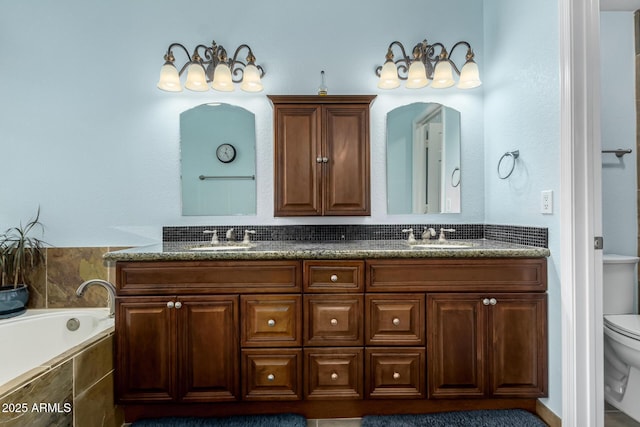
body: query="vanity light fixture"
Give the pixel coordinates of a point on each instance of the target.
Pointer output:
(210, 65)
(431, 63)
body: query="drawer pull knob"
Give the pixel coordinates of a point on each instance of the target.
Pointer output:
(396, 375)
(334, 322)
(334, 376)
(271, 377)
(178, 304)
(271, 322)
(170, 304)
(334, 278)
(485, 301)
(395, 321)
(493, 301)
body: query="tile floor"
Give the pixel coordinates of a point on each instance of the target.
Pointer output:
(615, 418)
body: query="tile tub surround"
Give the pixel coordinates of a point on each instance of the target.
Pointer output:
(54, 283)
(78, 390)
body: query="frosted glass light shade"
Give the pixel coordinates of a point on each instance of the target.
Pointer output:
(389, 76)
(251, 79)
(222, 78)
(169, 78)
(196, 79)
(443, 75)
(417, 77)
(469, 76)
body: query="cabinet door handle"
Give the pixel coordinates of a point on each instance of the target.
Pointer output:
(333, 322)
(271, 322)
(271, 377)
(334, 376)
(334, 278)
(493, 301)
(170, 304)
(396, 376)
(395, 321)
(485, 301)
(178, 304)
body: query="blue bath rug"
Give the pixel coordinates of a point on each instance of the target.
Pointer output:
(483, 418)
(278, 420)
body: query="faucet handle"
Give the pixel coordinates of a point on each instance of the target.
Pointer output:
(411, 238)
(442, 237)
(247, 238)
(214, 237)
(428, 233)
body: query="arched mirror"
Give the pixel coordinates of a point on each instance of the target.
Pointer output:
(218, 160)
(423, 159)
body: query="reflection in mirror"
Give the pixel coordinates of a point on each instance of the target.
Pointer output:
(218, 160)
(423, 159)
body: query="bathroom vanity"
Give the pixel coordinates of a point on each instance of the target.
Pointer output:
(330, 330)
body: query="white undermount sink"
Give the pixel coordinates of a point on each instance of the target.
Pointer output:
(442, 245)
(222, 247)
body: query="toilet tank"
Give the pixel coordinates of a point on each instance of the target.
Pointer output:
(619, 284)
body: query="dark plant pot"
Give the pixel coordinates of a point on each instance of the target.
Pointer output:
(13, 301)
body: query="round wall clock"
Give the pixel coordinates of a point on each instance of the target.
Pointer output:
(226, 153)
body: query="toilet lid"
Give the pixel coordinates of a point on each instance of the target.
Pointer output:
(626, 324)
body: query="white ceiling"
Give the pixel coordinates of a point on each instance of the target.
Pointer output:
(621, 5)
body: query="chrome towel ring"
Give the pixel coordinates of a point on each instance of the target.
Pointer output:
(514, 155)
(455, 178)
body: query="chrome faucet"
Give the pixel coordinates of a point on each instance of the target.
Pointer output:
(231, 235)
(111, 290)
(428, 233)
(442, 237)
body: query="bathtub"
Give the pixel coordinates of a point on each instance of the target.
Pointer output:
(40, 337)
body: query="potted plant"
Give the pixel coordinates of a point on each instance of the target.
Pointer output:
(20, 254)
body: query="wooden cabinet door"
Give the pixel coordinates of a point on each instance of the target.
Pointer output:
(346, 171)
(271, 320)
(518, 345)
(296, 169)
(333, 373)
(207, 328)
(394, 319)
(145, 350)
(395, 372)
(456, 342)
(272, 374)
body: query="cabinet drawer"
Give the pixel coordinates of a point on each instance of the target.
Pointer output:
(333, 373)
(395, 373)
(332, 320)
(333, 276)
(395, 319)
(271, 320)
(272, 374)
(206, 277)
(455, 275)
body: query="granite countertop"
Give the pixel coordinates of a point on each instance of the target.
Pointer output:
(354, 249)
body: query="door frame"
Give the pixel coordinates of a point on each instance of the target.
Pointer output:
(580, 214)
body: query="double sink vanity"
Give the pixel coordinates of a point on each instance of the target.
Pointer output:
(330, 328)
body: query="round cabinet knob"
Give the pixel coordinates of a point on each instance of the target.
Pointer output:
(271, 322)
(271, 377)
(334, 278)
(333, 322)
(325, 159)
(318, 159)
(396, 375)
(178, 304)
(170, 304)
(334, 376)
(485, 301)
(493, 301)
(395, 321)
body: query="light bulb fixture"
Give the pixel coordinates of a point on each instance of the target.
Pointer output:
(209, 66)
(431, 63)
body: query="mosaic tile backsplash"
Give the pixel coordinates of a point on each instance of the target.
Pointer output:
(532, 236)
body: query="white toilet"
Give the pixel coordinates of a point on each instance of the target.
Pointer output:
(621, 334)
